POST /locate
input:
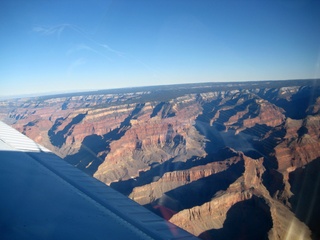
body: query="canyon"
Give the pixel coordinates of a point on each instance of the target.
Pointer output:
(221, 160)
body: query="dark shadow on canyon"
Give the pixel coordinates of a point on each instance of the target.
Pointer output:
(157, 170)
(195, 193)
(296, 107)
(87, 158)
(249, 219)
(59, 138)
(157, 109)
(219, 137)
(305, 186)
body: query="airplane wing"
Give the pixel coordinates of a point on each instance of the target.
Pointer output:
(43, 197)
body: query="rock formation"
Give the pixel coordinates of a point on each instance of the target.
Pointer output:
(220, 161)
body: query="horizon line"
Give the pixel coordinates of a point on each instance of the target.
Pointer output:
(79, 91)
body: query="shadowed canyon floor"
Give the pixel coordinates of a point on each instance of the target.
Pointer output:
(221, 160)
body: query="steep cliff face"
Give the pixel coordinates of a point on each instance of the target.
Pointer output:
(301, 144)
(244, 110)
(202, 156)
(244, 210)
(153, 140)
(305, 187)
(151, 193)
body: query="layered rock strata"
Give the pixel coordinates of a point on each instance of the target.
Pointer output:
(200, 156)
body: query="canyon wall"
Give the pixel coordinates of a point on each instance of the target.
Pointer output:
(201, 156)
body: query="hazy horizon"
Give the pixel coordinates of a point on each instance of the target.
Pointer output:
(62, 92)
(50, 46)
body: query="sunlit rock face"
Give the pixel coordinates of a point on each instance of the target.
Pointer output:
(219, 160)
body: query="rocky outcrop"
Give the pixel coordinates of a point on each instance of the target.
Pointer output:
(149, 193)
(153, 140)
(301, 144)
(210, 215)
(276, 221)
(305, 197)
(245, 110)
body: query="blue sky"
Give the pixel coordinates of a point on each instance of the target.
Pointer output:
(57, 45)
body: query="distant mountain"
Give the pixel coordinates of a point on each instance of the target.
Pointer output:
(221, 160)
